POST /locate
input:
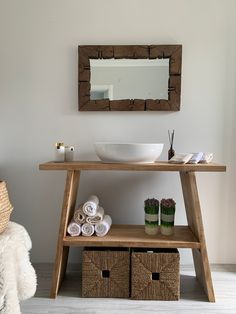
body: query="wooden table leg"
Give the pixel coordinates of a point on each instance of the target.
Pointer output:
(194, 218)
(70, 194)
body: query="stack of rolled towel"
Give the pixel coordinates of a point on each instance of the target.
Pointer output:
(90, 218)
(193, 158)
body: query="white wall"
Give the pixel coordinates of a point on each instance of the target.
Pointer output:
(38, 99)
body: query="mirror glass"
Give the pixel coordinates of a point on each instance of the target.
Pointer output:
(118, 79)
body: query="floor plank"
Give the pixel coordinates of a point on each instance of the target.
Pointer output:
(192, 300)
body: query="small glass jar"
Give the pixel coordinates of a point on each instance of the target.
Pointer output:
(69, 153)
(59, 152)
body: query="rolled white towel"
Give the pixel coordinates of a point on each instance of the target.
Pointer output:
(195, 158)
(98, 217)
(206, 158)
(87, 230)
(102, 227)
(91, 206)
(180, 158)
(74, 229)
(79, 215)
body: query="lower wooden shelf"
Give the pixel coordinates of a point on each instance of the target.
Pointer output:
(135, 236)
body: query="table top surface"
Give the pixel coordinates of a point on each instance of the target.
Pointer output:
(157, 166)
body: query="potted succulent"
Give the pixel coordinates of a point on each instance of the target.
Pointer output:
(167, 216)
(151, 208)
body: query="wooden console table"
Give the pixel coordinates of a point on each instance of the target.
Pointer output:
(190, 236)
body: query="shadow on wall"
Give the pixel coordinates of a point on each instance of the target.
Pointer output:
(122, 194)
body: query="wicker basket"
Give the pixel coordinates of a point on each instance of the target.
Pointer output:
(105, 273)
(5, 207)
(155, 274)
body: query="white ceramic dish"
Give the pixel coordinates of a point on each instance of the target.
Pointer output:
(128, 152)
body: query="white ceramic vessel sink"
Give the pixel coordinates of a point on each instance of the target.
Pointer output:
(128, 152)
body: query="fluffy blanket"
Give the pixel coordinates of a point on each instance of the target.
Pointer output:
(17, 276)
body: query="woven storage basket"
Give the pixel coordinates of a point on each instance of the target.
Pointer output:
(155, 274)
(5, 207)
(105, 273)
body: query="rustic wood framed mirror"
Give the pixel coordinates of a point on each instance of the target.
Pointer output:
(124, 78)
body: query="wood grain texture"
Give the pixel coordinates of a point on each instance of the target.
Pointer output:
(135, 236)
(157, 166)
(156, 104)
(127, 104)
(194, 217)
(68, 206)
(172, 52)
(131, 52)
(99, 105)
(120, 105)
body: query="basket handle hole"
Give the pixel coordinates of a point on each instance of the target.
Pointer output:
(155, 276)
(105, 273)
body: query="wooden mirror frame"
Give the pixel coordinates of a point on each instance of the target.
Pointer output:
(173, 52)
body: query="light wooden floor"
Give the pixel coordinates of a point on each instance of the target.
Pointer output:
(192, 299)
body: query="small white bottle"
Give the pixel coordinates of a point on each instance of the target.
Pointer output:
(69, 153)
(59, 152)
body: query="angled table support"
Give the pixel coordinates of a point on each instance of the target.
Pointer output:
(191, 236)
(69, 200)
(194, 218)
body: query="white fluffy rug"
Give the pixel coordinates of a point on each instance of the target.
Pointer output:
(17, 276)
